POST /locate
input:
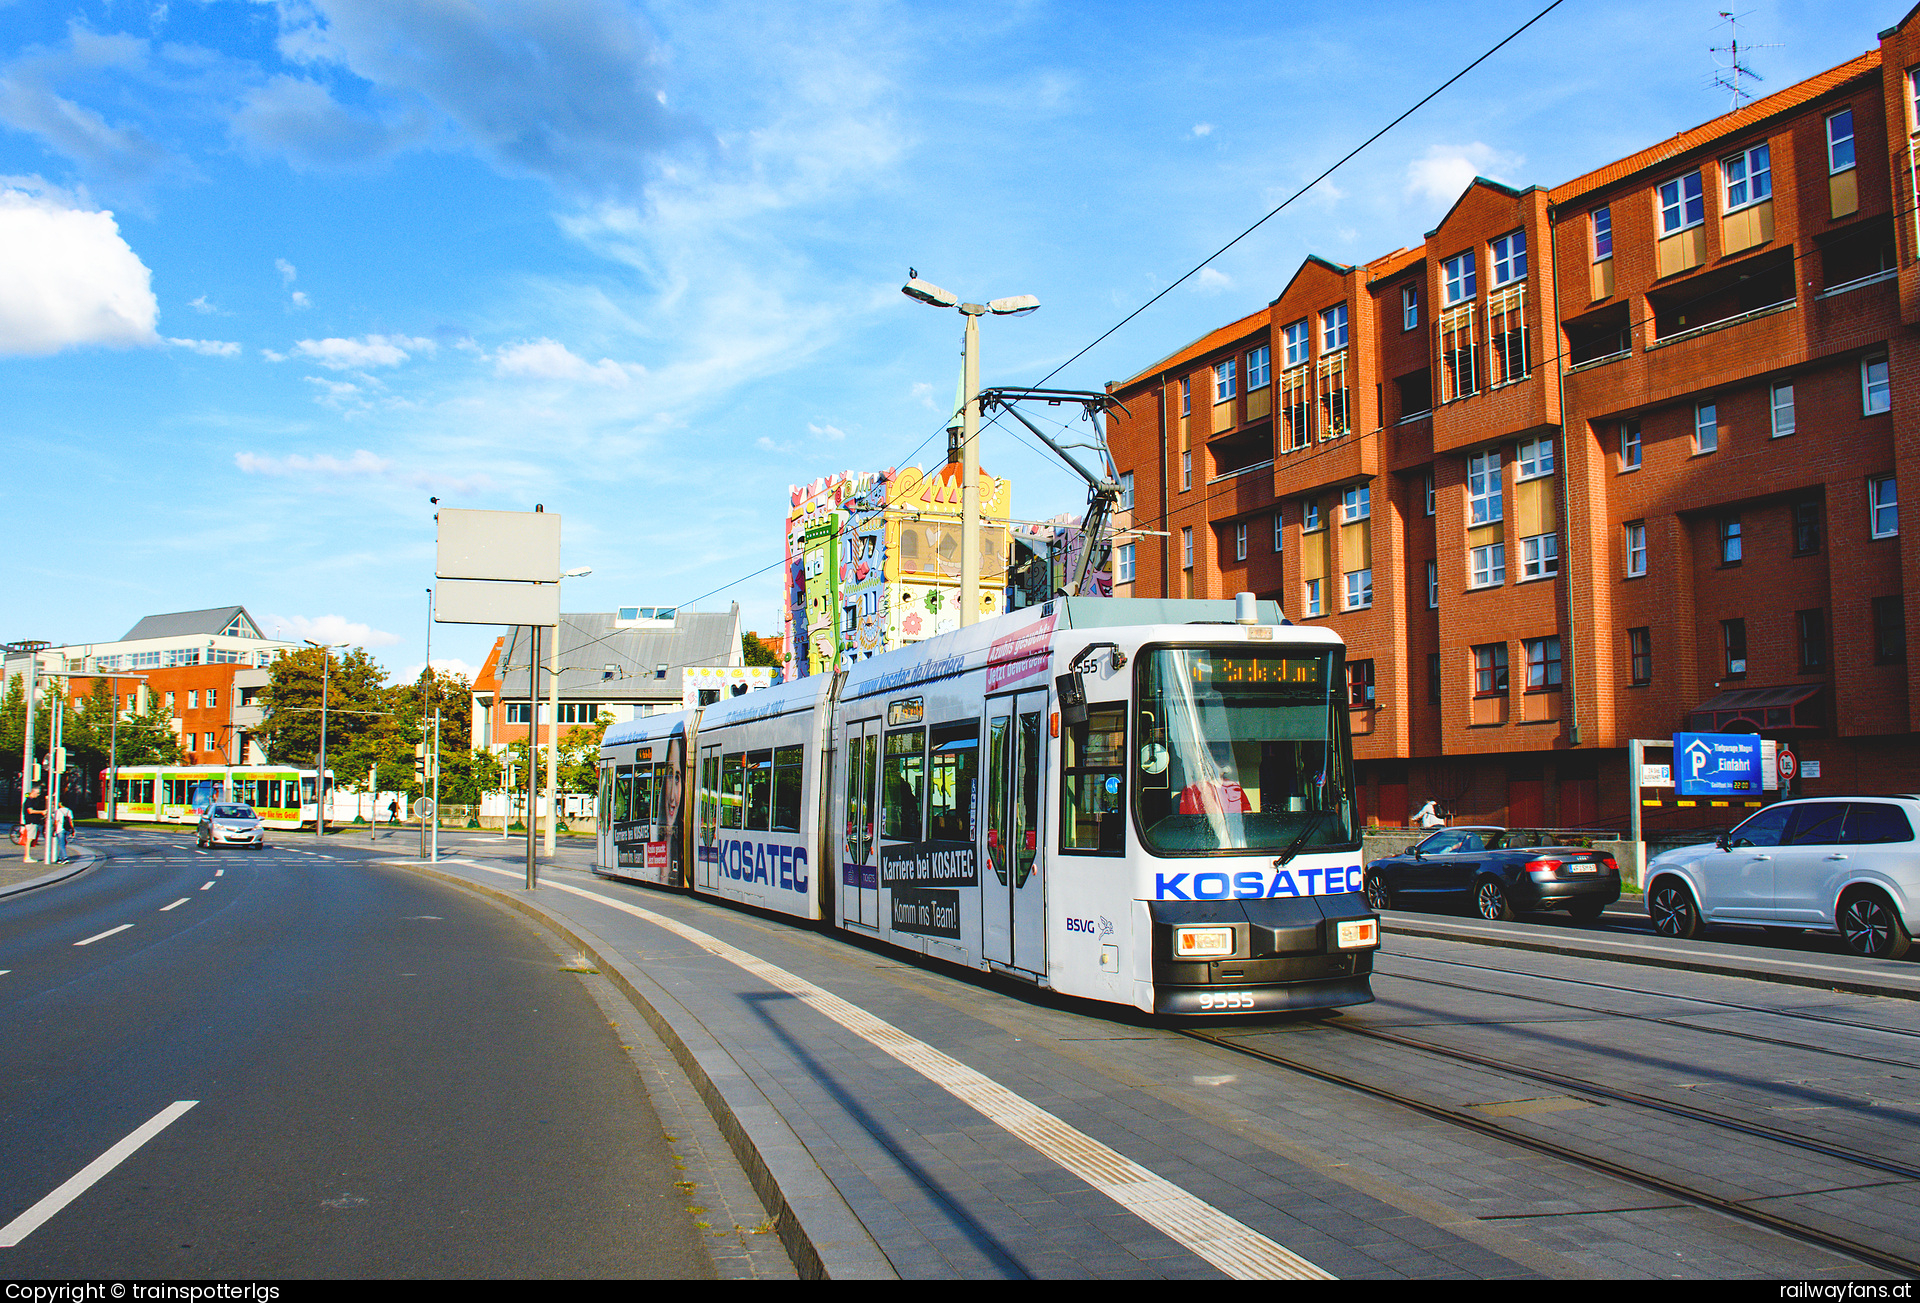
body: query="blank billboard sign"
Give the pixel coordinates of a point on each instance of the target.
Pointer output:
(471, 601)
(522, 545)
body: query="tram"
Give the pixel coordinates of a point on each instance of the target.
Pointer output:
(282, 795)
(1142, 801)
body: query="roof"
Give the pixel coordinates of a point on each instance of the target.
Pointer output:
(1727, 124)
(591, 641)
(1392, 264)
(214, 620)
(1202, 346)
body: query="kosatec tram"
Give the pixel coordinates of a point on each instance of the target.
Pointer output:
(1146, 801)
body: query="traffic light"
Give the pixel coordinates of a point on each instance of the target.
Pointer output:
(420, 774)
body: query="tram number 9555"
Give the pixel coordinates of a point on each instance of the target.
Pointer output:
(1217, 1000)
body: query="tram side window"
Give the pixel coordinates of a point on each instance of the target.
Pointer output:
(861, 760)
(759, 791)
(732, 780)
(953, 778)
(1093, 796)
(622, 776)
(903, 784)
(787, 770)
(709, 797)
(641, 809)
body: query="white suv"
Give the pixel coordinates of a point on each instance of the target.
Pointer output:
(1847, 864)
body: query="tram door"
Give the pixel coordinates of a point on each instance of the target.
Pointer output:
(859, 866)
(1013, 891)
(707, 817)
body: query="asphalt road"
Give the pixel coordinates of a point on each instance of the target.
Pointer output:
(390, 1077)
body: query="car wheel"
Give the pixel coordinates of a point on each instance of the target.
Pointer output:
(1586, 911)
(1490, 898)
(1670, 906)
(1379, 894)
(1871, 928)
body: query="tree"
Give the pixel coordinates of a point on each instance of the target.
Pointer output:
(756, 652)
(362, 728)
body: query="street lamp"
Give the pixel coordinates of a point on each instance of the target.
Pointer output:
(320, 775)
(1017, 306)
(553, 725)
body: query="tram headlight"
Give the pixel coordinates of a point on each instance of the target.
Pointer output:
(1358, 934)
(1202, 942)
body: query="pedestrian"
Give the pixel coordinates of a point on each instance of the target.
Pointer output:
(33, 815)
(393, 810)
(62, 829)
(1430, 816)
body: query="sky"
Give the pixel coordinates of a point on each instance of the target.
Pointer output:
(276, 273)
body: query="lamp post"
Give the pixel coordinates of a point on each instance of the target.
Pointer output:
(553, 724)
(320, 773)
(1018, 306)
(426, 695)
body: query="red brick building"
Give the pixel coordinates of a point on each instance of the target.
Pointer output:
(1607, 461)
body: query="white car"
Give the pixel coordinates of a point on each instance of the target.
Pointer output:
(1847, 864)
(224, 824)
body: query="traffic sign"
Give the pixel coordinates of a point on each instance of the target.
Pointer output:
(424, 807)
(1787, 766)
(1717, 764)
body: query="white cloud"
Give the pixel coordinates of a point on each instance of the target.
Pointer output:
(67, 278)
(361, 463)
(826, 431)
(201, 305)
(548, 359)
(288, 272)
(208, 347)
(300, 119)
(1203, 129)
(1446, 170)
(923, 393)
(330, 629)
(300, 299)
(448, 665)
(372, 350)
(1210, 281)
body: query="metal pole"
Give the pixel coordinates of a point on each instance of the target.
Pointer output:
(433, 847)
(553, 737)
(970, 470)
(55, 774)
(320, 774)
(533, 742)
(113, 756)
(426, 679)
(26, 759)
(1636, 751)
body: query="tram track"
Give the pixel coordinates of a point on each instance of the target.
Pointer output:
(1870, 1254)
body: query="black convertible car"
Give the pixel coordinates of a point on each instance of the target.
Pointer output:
(1495, 872)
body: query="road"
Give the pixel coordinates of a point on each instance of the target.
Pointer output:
(350, 1071)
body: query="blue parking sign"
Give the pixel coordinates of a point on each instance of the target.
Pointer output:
(1717, 764)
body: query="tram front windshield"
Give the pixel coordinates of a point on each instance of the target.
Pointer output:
(1242, 751)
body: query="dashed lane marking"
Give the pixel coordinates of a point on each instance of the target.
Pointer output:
(31, 1220)
(176, 904)
(1229, 1244)
(208, 883)
(103, 935)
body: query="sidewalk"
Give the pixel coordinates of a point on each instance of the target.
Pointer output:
(16, 876)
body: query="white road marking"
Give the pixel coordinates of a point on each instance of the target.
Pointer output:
(29, 1221)
(219, 873)
(176, 904)
(1229, 1244)
(206, 884)
(109, 932)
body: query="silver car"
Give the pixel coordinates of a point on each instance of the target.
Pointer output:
(226, 824)
(1845, 864)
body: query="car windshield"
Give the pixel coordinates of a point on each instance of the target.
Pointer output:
(233, 812)
(1241, 751)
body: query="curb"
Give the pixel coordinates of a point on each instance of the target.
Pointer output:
(1835, 979)
(61, 872)
(822, 1235)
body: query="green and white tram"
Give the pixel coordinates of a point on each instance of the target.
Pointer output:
(283, 796)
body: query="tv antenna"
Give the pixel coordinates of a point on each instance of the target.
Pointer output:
(1732, 70)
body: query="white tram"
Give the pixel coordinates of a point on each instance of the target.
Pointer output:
(282, 795)
(1138, 800)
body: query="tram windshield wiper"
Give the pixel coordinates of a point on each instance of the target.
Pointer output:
(1293, 847)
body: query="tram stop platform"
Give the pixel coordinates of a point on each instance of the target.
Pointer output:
(906, 1120)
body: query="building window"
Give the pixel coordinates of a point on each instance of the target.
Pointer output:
(1602, 233)
(1359, 589)
(1489, 565)
(1806, 528)
(1706, 427)
(1883, 510)
(1889, 631)
(1840, 141)
(213, 698)
(1409, 307)
(1276, 531)
(193, 699)
(1240, 542)
(1333, 328)
(1483, 487)
(1429, 492)
(170, 701)
(1543, 663)
(1876, 394)
(1812, 629)
(1510, 259)
(1636, 549)
(1729, 540)
(1359, 683)
(1310, 515)
(1733, 637)
(1186, 395)
(1433, 585)
(1540, 556)
(1433, 678)
(1748, 177)
(1294, 339)
(1186, 471)
(1259, 367)
(1223, 380)
(1536, 458)
(1186, 547)
(1459, 277)
(1313, 598)
(1630, 445)
(573, 712)
(1126, 490)
(1490, 669)
(1356, 503)
(1126, 563)
(1640, 654)
(660, 670)
(1782, 410)
(1681, 204)
(518, 712)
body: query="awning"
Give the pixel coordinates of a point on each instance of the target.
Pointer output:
(1761, 710)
